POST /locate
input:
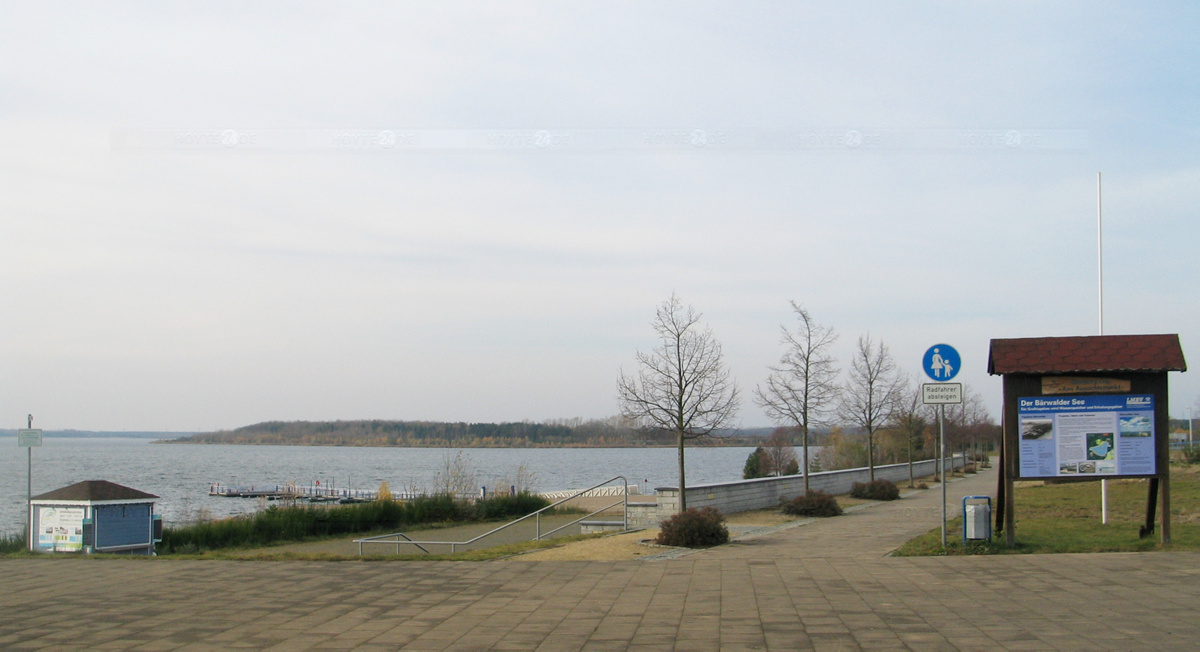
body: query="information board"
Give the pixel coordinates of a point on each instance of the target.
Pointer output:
(1080, 436)
(60, 528)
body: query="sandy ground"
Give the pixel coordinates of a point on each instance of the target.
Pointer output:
(632, 545)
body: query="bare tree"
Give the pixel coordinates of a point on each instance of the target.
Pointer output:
(456, 477)
(780, 454)
(909, 421)
(967, 423)
(682, 386)
(803, 388)
(1192, 417)
(871, 392)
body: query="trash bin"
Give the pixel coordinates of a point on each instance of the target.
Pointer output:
(977, 518)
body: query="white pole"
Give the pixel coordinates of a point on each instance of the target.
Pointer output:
(1100, 283)
(942, 463)
(29, 493)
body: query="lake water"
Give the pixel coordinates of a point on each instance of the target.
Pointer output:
(181, 474)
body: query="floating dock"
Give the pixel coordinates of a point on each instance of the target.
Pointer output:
(311, 493)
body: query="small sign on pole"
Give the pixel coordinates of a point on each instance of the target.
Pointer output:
(941, 362)
(27, 438)
(941, 393)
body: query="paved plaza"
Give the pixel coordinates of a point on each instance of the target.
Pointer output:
(823, 584)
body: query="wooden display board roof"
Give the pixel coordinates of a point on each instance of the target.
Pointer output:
(1097, 353)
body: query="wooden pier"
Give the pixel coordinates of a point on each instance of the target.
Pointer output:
(311, 493)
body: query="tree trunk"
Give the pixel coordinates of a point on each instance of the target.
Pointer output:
(682, 485)
(871, 455)
(805, 432)
(910, 466)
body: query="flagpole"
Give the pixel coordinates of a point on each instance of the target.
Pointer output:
(1100, 284)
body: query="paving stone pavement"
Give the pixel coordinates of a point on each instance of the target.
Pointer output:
(823, 585)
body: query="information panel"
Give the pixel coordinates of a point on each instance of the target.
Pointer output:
(1074, 436)
(60, 528)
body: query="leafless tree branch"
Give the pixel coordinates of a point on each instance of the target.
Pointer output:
(682, 385)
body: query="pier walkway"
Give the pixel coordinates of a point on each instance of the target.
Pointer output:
(825, 584)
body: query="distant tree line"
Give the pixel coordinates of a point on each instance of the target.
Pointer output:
(610, 432)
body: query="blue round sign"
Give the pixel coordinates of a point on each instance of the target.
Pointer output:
(941, 362)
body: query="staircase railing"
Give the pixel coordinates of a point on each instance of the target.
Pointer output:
(399, 538)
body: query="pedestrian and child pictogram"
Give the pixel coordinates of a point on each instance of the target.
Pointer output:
(941, 362)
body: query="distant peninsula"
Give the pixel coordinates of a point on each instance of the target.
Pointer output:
(564, 433)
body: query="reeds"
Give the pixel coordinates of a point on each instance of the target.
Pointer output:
(12, 543)
(276, 524)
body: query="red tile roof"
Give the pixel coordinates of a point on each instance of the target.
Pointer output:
(1036, 355)
(95, 491)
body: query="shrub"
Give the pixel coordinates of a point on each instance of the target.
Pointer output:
(507, 505)
(813, 503)
(1191, 454)
(754, 464)
(301, 522)
(875, 490)
(694, 528)
(305, 521)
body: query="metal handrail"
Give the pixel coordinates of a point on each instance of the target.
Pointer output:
(537, 516)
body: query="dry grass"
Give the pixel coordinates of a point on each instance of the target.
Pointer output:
(628, 546)
(618, 547)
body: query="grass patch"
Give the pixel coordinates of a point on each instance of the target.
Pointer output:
(484, 554)
(1057, 518)
(12, 543)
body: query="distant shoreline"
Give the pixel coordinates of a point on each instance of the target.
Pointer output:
(383, 433)
(691, 444)
(100, 434)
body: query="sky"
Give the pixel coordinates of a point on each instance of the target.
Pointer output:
(217, 214)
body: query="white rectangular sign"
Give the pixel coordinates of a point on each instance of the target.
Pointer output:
(27, 438)
(941, 393)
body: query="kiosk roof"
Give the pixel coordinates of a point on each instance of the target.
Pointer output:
(1048, 355)
(95, 491)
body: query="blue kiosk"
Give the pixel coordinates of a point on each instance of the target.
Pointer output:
(95, 516)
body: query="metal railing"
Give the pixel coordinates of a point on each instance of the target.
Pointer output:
(395, 538)
(632, 490)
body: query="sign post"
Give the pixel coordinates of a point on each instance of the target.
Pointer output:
(27, 439)
(941, 363)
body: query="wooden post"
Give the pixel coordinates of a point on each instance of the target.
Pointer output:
(1151, 503)
(1166, 508)
(1000, 502)
(1163, 429)
(1010, 525)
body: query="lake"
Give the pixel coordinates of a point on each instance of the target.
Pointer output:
(180, 474)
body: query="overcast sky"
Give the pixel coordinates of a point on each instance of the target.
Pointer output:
(214, 214)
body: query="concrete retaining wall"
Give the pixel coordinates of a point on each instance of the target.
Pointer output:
(763, 493)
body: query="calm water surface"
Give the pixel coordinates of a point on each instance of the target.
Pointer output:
(181, 474)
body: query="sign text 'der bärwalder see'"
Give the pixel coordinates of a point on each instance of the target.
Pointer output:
(1082, 436)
